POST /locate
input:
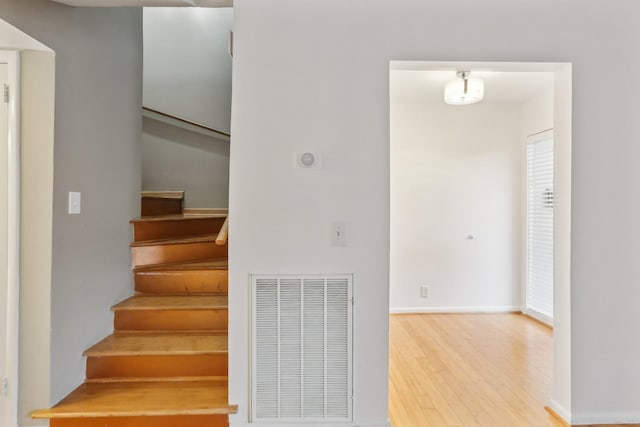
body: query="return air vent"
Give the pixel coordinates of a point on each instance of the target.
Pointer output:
(302, 348)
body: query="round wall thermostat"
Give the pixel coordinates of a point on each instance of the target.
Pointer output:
(307, 160)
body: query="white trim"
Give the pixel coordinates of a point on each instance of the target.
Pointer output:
(538, 316)
(12, 58)
(564, 413)
(607, 418)
(456, 309)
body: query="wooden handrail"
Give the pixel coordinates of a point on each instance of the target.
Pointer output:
(223, 234)
(189, 122)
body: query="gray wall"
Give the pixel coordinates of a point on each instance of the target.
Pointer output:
(187, 68)
(177, 159)
(97, 152)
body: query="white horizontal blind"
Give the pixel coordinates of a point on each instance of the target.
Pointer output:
(540, 200)
(302, 348)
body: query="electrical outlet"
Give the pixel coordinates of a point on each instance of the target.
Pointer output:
(424, 291)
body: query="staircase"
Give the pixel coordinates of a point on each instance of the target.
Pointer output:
(165, 364)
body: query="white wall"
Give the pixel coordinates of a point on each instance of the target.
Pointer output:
(317, 75)
(177, 159)
(537, 114)
(13, 38)
(97, 151)
(187, 68)
(455, 172)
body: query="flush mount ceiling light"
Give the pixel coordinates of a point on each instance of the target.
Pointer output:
(464, 90)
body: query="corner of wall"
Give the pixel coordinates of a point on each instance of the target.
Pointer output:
(37, 99)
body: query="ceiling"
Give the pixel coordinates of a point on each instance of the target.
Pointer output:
(512, 87)
(148, 3)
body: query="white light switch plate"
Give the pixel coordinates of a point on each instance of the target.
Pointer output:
(338, 234)
(74, 202)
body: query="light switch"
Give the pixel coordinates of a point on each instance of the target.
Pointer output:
(74, 202)
(338, 234)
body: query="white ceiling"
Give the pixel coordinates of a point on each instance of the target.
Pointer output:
(499, 87)
(148, 3)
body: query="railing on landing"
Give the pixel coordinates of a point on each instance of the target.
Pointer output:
(186, 122)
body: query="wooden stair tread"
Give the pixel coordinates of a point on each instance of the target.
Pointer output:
(156, 379)
(183, 240)
(181, 217)
(163, 194)
(172, 302)
(145, 344)
(212, 264)
(126, 399)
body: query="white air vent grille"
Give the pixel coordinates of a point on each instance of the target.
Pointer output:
(302, 348)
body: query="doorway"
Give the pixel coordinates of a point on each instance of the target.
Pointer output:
(459, 197)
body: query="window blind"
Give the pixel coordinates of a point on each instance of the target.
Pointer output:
(540, 200)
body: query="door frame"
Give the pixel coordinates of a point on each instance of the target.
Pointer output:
(12, 58)
(560, 401)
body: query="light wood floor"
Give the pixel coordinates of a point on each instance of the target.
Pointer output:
(488, 370)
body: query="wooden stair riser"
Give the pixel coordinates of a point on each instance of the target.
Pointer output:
(171, 320)
(168, 421)
(173, 253)
(202, 365)
(170, 228)
(154, 206)
(182, 282)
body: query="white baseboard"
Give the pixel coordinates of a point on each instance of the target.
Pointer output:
(460, 309)
(594, 418)
(606, 418)
(561, 411)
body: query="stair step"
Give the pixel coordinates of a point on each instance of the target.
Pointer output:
(155, 203)
(172, 313)
(146, 421)
(158, 379)
(210, 264)
(172, 302)
(175, 226)
(206, 277)
(171, 194)
(205, 238)
(172, 251)
(154, 355)
(135, 399)
(157, 344)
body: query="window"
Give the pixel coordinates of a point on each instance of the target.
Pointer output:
(540, 200)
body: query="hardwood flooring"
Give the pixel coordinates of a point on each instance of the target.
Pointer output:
(488, 370)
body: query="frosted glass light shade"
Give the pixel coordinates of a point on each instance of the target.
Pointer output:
(455, 92)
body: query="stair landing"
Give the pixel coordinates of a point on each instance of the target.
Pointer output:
(155, 398)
